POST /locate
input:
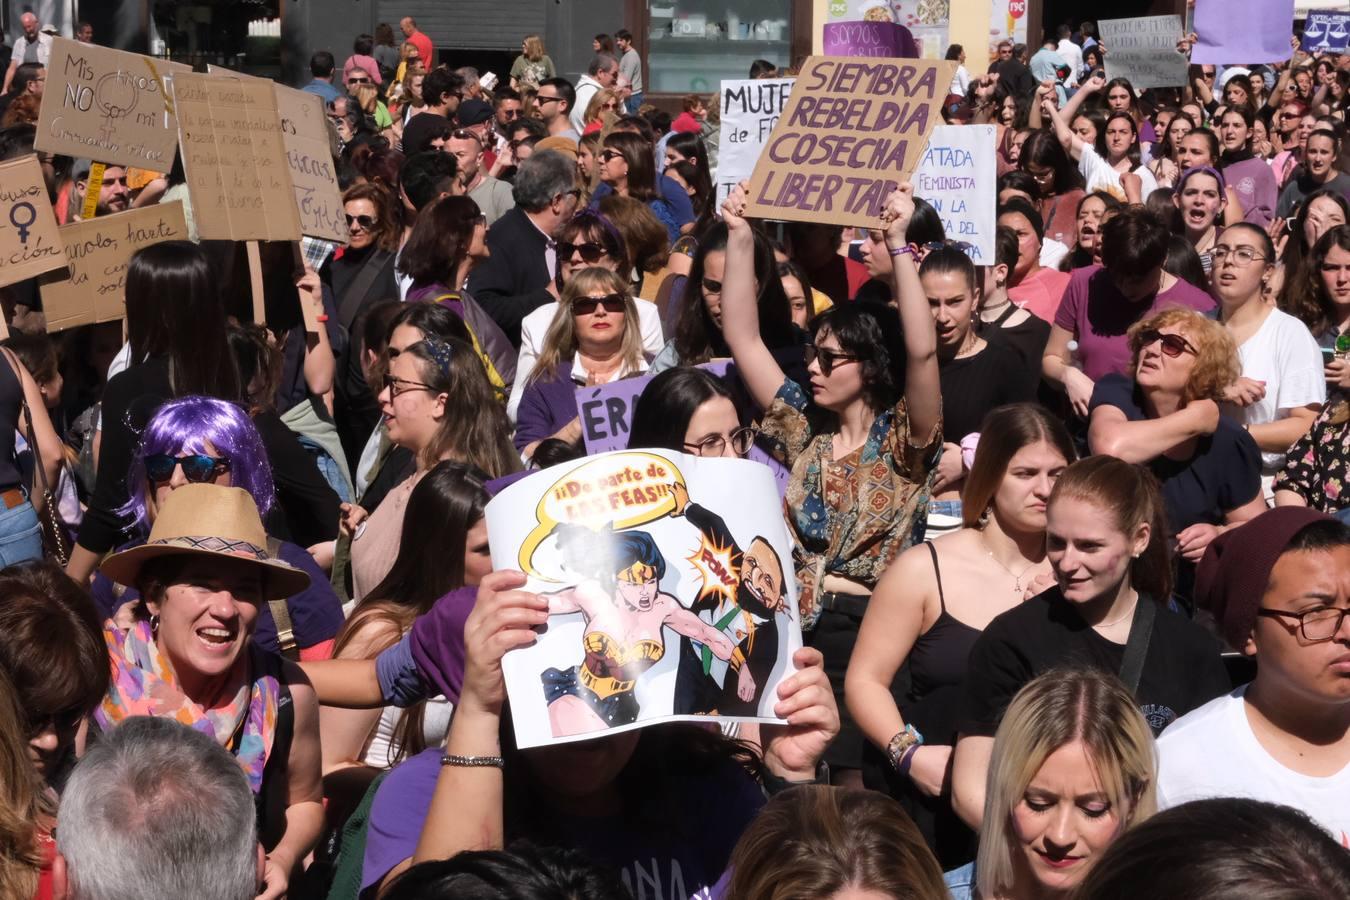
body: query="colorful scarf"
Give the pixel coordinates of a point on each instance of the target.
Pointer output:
(143, 684)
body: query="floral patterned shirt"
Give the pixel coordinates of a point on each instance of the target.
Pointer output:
(851, 516)
(1317, 467)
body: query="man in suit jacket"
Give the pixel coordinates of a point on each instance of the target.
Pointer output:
(519, 275)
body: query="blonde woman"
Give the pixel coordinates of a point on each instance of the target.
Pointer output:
(1073, 768)
(368, 99)
(408, 55)
(595, 338)
(407, 94)
(605, 107)
(533, 65)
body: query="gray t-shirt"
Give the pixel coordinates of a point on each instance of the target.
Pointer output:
(493, 197)
(631, 68)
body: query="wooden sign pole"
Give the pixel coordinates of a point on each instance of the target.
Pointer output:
(256, 282)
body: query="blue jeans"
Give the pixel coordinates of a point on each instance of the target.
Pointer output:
(634, 101)
(1343, 515)
(20, 535)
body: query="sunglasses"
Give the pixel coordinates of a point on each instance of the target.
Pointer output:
(607, 155)
(828, 359)
(366, 222)
(590, 252)
(358, 81)
(198, 468)
(584, 306)
(464, 134)
(509, 114)
(1173, 345)
(541, 99)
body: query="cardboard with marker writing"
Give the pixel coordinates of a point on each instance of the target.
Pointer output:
(109, 105)
(670, 588)
(229, 131)
(853, 130)
(30, 243)
(99, 250)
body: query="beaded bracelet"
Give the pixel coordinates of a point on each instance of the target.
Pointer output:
(473, 762)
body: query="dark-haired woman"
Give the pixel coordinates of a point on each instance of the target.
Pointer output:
(687, 147)
(628, 168)
(1249, 175)
(1323, 304)
(932, 603)
(1116, 155)
(859, 471)
(1318, 170)
(689, 410)
(1107, 543)
(1320, 211)
(1059, 184)
(176, 334)
(443, 548)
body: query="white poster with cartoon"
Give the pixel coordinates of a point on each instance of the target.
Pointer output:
(670, 588)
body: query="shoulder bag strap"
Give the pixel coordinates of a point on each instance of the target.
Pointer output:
(360, 285)
(281, 613)
(1136, 647)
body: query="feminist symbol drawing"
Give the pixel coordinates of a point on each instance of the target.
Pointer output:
(116, 96)
(22, 227)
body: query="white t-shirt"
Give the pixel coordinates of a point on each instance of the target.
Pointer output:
(1099, 175)
(960, 82)
(1212, 752)
(534, 327)
(1284, 354)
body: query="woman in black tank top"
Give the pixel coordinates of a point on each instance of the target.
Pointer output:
(930, 606)
(23, 411)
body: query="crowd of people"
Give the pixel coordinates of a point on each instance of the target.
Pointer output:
(1070, 530)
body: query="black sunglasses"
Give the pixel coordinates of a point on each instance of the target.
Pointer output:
(197, 467)
(828, 359)
(509, 113)
(608, 154)
(540, 98)
(366, 222)
(590, 252)
(1173, 345)
(584, 306)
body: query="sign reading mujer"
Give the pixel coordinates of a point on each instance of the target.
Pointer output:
(853, 129)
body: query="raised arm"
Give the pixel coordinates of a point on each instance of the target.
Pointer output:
(1072, 143)
(1091, 86)
(1111, 433)
(740, 311)
(682, 621)
(923, 392)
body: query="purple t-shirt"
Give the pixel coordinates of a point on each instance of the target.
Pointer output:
(1254, 182)
(680, 855)
(1098, 315)
(437, 640)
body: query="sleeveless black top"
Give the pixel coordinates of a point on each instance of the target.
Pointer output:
(937, 668)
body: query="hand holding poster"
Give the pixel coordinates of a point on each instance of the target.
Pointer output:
(29, 241)
(853, 130)
(668, 579)
(958, 177)
(750, 110)
(1144, 50)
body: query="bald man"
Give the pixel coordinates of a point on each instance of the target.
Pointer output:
(33, 47)
(419, 40)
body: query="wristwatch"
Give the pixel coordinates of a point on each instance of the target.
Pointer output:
(902, 744)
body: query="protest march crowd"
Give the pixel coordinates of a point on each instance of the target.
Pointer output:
(1070, 531)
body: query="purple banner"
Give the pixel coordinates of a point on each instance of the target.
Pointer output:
(869, 39)
(1239, 32)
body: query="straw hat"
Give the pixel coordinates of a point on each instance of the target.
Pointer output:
(213, 521)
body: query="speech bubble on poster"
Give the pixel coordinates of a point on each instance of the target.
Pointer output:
(958, 177)
(681, 608)
(1144, 50)
(109, 106)
(29, 241)
(99, 251)
(229, 132)
(854, 129)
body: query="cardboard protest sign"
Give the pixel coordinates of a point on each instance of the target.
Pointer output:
(1144, 50)
(853, 130)
(99, 251)
(868, 39)
(109, 106)
(959, 177)
(229, 131)
(1241, 32)
(1326, 31)
(670, 589)
(29, 241)
(750, 109)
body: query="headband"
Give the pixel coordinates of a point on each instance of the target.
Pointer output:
(441, 353)
(1202, 170)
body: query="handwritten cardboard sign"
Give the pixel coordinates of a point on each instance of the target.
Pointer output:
(958, 176)
(229, 132)
(109, 106)
(868, 39)
(29, 241)
(853, 130)
(1326, 31)
(99, 251)
(750, 110)
(1144, 50)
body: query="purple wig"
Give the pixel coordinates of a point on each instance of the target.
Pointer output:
(190, 425)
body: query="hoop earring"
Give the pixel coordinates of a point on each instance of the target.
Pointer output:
(154, 626)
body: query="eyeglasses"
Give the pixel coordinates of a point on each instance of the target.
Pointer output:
(584, 306)
(541, 99)
(1316, 625)
(1173, 345)
(198, 468)
(366, 222)
(608, 154)
(590, 251)
(712, 287)
(1242, 256)
(395, 386)
(741, 440)
(509, 114)
(828, 359)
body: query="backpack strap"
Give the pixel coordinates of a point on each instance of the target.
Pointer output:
(281, 613)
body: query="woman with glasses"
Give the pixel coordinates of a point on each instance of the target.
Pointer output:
(201, 440)
(1058, 182)
(627, 167)
(689, 410)
(595, 338)
(437, 403)
(1166, 415)
(1282, 385)
(602, 111)
(860, 469)
(409, 56)
(930, 606)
